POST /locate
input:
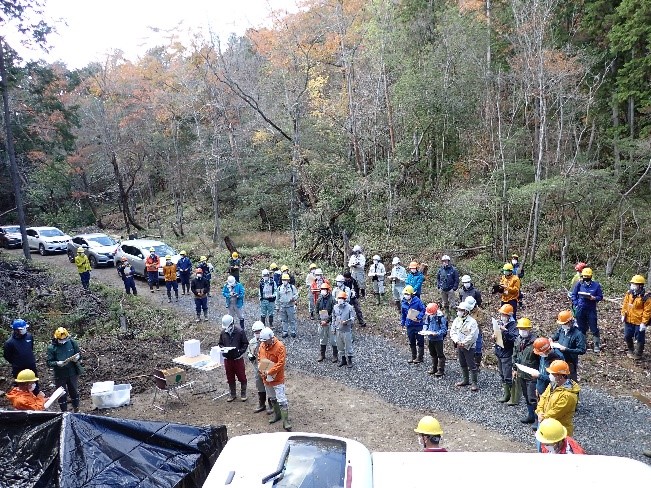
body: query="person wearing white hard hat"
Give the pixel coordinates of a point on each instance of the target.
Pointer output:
(315, 288)
(376, 272)
(234, 339)
(184, 265)
(479, 345)
(309, 279)
(254, 347)
(233, 292)
(340, 285)
(271, 357)
(398, 278)
(447, 282)
(286, 298)
(353, 297)
(463, 332)
(267, 293)
(468, 290)
(357, 264)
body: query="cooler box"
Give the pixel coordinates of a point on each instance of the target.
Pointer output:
(168, 377)
(107, 394)
(192, 348)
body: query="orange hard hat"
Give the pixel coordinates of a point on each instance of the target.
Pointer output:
(559, 367)
(432, 308)
(542, 345)
(325, 286)
(342, 294)
(413, 265)
(564, 316)
(506, 309)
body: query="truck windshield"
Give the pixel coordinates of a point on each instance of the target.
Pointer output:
(314, 462)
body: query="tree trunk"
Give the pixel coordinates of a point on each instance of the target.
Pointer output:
(124, 197)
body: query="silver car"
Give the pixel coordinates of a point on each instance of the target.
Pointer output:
(47, 239)
(99, 248)
(137, 250)
(10, 236)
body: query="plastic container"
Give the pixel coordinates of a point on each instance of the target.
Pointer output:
(102, 387)
(216, 355)
(192, 348)
(118, 396)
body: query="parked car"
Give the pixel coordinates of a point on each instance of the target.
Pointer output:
(137, 250)
(47, 239)
(10, 236)
(99, 248)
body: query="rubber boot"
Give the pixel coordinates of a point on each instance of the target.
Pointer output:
(473, 381)
(507, 393)
(350, 361)
(516, 394)
(630, 348)
(335, 354)
(271, 321)
(233, 392)
(323, 353)
(342, 361)
(242, 324)
(243, 396)
(262, 402)
(433, 368)
(198, 319)
(284, 414)
(597, 344)
(531, 415)
(639, 351)
(398, 306)
(421, 351)
(169, 296)
(441, 370)
(205, 316)
(75, 405)
(413, 353)
(63, 406)
(270, 409)
(466, 378)
(377, 298)
(276, 411)
(263, 320)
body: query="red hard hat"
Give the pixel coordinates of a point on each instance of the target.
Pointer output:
(432, 308)
(579, 266)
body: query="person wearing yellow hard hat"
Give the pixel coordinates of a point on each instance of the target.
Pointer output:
(234, 265)
(286, 298)
(509, 288)
(207, 269)
(429, 434)
(83, 267)
(411, 318)
(22, 396)
(63, 357)
(170, 275)
(152, 263)
(636, 313)
(553, 439)
(585, 296)
(523, 354)
(184, 266)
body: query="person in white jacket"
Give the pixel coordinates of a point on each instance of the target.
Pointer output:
(377, 272)
(398, 278)
(464, 332)
(286, 297)
(357, 264)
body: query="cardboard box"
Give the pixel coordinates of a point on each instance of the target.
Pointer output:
(169, 377)
(265, 365)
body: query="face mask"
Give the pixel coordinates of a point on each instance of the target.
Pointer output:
(199, 276)
(552, 379)
(460, 313)
(257, 336)
(375, 261)
(406, 297)
(152, 255)
(340, 301)
(565, 327)
(514, 262)
(413, 271)
(340, 284)
(229, 329)
(62, 341)
(634, 288)
(285, 283)
(21, 331)
(542, 355)
(505, 319)
(324, 293)
(466, 285)
(523, 333)
(32, 387)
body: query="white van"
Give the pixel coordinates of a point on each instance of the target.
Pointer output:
(302, 460)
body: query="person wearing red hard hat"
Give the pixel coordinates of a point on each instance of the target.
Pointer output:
(560, 398)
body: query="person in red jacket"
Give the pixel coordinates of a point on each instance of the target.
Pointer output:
(152, 263)
(553, 439)
(22, 395)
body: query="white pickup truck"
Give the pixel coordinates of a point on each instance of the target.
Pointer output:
(302, 460)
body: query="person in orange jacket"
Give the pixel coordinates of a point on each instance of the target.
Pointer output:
(509, 288)
(22, 395)
(553, 439)
(273, 376)
(152, 263)
(169, 272)
(636, 313)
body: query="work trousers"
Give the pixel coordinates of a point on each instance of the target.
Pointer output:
(185, 281)
(266, 308)
(277, 393)
(448, 298)
(172, 285)
(70, 384)
(414, 336)
(633, 332)
(235, 311)
(466, 358)
(436, 350)
(310, 302)
(505, 368)
(85, 279)
(378, 286)
(259, 384)
(358, 311)
(152, 279)
(529, 390)
(344, 343)
(288, 318)
(360, 276)
(397, 288)
(587, 319)
(130, 285)
(235, 368)
(325, 337)
(201, 304)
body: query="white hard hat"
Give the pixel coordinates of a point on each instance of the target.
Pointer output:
(396, 260)
(357, 248)
(340, 278)
(265, 272)
(266, 334)
(230, 280)
(464, 306)
(227, 320)
(465, 279)
(318, 271)
(376, 258)
(445, 257)
(257, 325)
(471, 302)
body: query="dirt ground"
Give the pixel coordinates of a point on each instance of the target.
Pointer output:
(315, 402)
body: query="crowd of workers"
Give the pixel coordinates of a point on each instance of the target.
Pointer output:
(543, 370)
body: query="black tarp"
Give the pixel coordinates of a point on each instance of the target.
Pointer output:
(66, 450)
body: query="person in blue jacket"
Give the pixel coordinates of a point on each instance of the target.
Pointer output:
(233, 292)
(505, 354)
(437, 327)
(415, 278)
(571, 341)
(413, 311)
(447, 282)
(184, 265)
(585, 296)
(19, 350)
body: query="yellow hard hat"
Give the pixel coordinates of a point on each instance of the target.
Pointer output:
(638, 280)
(524, 323)
(234, 255)
(79, 250)
(586, 273)
(61, 333)
(26, 376)
(182, 253)
(409, 290)
(151, 249)
(507, 267)
(273, 266)
(203, 258)
(285, 276)
(550, 431)
(284, 268)
(168, 258)
(428, 425)
(312, 266)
